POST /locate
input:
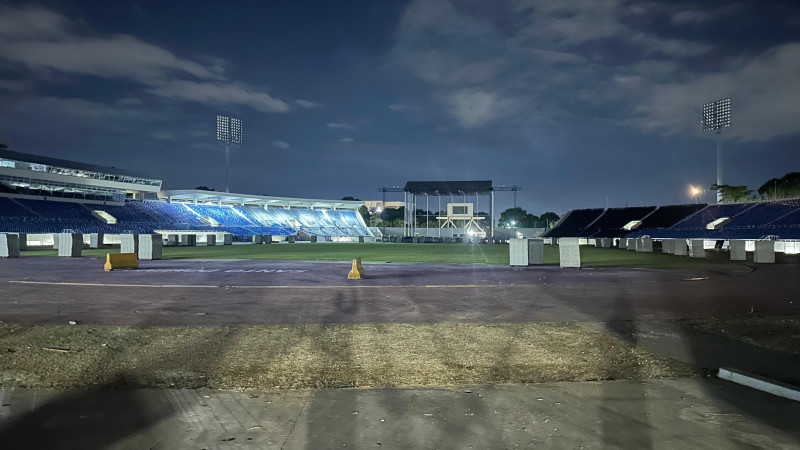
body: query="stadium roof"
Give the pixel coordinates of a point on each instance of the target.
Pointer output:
(47, 161)
(448, 187)
(227, 197)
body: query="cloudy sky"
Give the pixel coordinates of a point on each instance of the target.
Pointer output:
(581, 102)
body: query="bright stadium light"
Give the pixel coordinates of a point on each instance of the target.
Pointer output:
(715, 116)
(695, 191)
(229, 134)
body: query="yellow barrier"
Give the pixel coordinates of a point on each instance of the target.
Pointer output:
(357, 271)
(121, 261)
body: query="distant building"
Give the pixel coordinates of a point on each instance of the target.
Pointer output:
(373, 205)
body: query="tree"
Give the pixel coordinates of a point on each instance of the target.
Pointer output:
(364, 213)
(517, 218)
(550, 218)
(393, 217)
(732, 194)
(204, 188)
(784, 187)
(350, 199)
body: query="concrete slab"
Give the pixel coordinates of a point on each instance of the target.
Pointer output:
(694, 413)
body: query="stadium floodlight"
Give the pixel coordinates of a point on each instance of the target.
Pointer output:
(229, 134)
(715, 116)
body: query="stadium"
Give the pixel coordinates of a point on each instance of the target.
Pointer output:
(41, 196)
(205, 321)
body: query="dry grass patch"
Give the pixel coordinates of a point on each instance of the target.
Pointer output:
(315, 356)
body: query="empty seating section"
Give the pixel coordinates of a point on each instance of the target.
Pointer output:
(752, 220)
(63, 211)
(611, 222)
(667, 216)
(711, 213)
(39, 216)
(226, 215)
(575, 222)
(8, 208)
(761, 214)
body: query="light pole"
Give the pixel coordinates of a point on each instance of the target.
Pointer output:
(229, 134)
(716, 115)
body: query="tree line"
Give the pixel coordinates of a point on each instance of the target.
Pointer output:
(788, 186)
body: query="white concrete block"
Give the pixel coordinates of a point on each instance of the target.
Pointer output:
(227, 239)
(129, 243)
(95, 240)
(680, 248)
(644, 245)
(9, 246)
(23, 241)
(150, 246)
(697, 248)
(765, 252)
(70, 245)
(518, 252)
(211, 240)
(188, 240)
(605, 242)
(569, 252)
(630, 244)
(623, 243)
(737, 249)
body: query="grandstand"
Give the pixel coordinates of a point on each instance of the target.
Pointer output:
(41, 195)
(779, 220)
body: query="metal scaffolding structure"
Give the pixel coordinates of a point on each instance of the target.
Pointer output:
(466, 190)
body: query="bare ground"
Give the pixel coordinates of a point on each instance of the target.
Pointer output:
(781, 333)
(317, 356)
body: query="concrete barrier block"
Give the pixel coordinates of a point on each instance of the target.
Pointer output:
(9, 246)
(121, 261)
(290, 239)
(258, 239)
(172, 240)
(227, 239)
(70, 245)
(129, 243)
(361, 239)
(150, 246)
(680, 248)
(268, 239)
(518, 252)
(697, 248)
(668, 246)
(211, 240)
(644, 245)
(95, 240)
(764, 252)
(737, 249)
(630, 245)
(535, 251)
(313, 239)
(569, 252)
(55, 241)
(606, 242)
(623, 243)
(23, 241)
(188, 240)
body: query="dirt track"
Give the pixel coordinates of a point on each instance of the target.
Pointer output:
(50, 290)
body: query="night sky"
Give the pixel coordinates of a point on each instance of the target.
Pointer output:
(581, 102)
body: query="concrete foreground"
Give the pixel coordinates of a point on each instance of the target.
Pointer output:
(691, 413)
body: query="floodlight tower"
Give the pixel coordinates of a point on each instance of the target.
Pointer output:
(229, 134)
(716, 115)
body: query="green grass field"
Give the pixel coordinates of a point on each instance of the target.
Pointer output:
(426, 253)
